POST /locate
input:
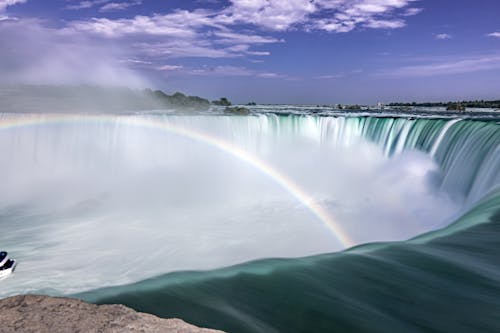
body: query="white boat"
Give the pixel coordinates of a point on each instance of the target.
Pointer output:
(7, 266)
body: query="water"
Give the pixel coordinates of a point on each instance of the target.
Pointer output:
(448, 284)
(90, 201)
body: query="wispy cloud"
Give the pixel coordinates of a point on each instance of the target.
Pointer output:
(385, 24)
(209, 1)
(442, 36)
(137, 61)
(180, 33)
(240, 38)
(340, 75)
(85, 4)
(170, 67)
(227, 71)
(3, 8)
(105, 5)
(412, 11)
(5, 3)
(447, 67)
(181, 23)
(116, 6)
(330, 77)
(178, 48)
(495, 34)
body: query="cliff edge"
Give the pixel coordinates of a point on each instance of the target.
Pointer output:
(40, 314)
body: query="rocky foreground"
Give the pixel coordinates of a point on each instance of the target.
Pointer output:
(40, 314)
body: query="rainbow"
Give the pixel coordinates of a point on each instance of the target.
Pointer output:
(10, 121)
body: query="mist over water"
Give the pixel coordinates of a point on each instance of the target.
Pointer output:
(88, 203)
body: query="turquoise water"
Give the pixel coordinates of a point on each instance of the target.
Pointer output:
(448, 284)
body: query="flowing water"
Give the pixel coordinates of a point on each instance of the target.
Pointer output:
(93, 201)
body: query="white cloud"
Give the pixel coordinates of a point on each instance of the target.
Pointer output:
(443, 36)
(116, 6)
(268, 75)
(412, 11)
(495, 34)
(277, 15)
(166, 25)
(452, 66)
(182, 23)
(232, 37)
(81, 5)
(340, 75)
(268, 14)
(385, 24)
(223, 71)
(182, 33)
(259, 53)
(335, 25)
(376, 14)
(178, 48)
(5, 3)
(335, 15)
(330, 77)
(217, 33)
(138, 61)
(231, 71)
(85, 4)
(170, 67)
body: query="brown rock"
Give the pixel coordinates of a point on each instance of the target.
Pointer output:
(44, 314)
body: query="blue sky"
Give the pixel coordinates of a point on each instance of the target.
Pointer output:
(268, 51)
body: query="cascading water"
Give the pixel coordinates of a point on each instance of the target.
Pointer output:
(97, 200)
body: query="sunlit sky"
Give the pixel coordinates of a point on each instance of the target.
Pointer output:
(268, 51)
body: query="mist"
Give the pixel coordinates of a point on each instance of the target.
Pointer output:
(56, 70)
(37, 55)
(99, 203)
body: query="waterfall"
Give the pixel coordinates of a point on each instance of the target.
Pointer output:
(200, 192)
(468, 152)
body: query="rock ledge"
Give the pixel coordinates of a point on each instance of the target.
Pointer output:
(41, 314)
